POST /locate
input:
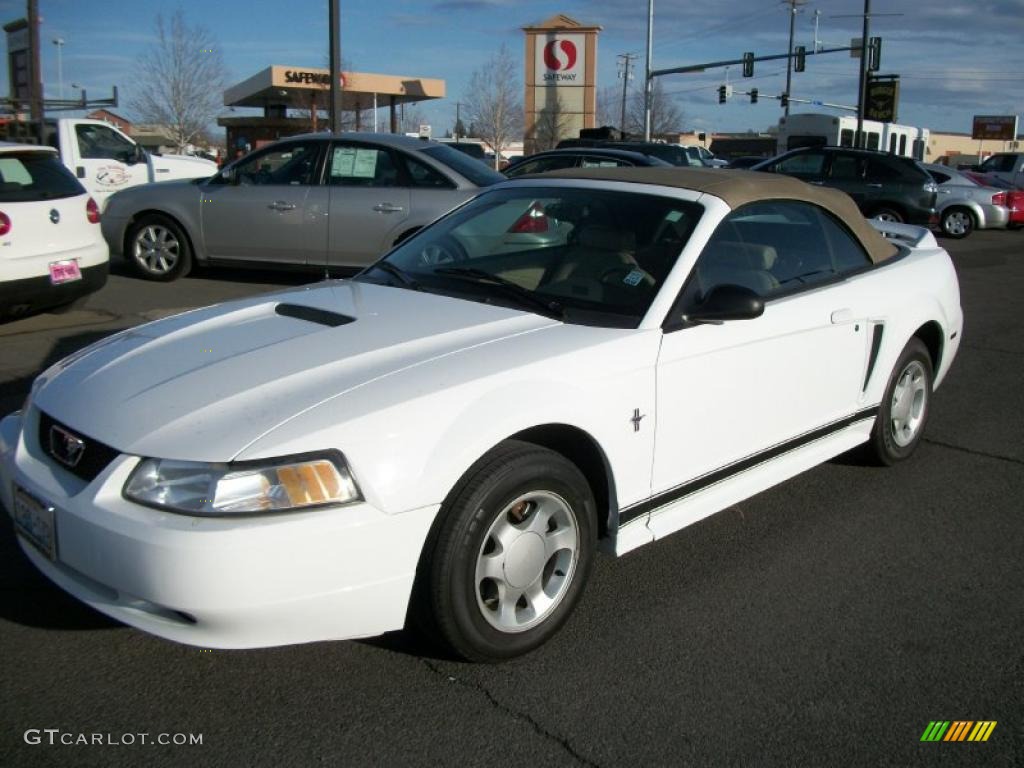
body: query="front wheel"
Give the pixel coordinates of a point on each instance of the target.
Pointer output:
(158, 249)
(957, 222)
(511, 554)
(904, 410)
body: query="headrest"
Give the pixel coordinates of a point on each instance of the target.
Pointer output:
(607, 239)
(743, 255)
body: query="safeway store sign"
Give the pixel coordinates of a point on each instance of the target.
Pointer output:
(561, 60)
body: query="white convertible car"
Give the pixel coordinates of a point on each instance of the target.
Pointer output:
(577, 361)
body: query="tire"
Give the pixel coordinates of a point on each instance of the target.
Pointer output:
(888, 214)
(509, 557)
(903, 414)
(157, 249)
(957, 222)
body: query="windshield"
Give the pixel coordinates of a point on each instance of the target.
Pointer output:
(473, 170)
(587, 256)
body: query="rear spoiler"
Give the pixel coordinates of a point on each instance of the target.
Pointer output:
(905, 234)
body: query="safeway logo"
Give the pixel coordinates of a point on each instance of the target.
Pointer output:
(560, 55)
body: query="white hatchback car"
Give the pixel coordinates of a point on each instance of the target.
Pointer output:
(51, 248)
(452, 434)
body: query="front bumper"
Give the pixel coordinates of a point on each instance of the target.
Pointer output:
(327, 574)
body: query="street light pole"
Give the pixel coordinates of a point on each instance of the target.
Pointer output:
(793, 5)
(335, 45)
(59, 42)
(862, 82)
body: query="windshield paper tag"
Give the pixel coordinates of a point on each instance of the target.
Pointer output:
(634, 277)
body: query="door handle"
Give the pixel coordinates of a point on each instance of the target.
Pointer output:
(281, 205)
(817, 183)
(840, 316)
(874, 186)
(388, 208)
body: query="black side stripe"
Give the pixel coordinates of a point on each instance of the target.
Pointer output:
(876, 344)
(630, 514)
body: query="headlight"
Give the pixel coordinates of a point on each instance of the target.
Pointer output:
(249, 487)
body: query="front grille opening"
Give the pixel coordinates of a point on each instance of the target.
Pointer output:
(87, 464)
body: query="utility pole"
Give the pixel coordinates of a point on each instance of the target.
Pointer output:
(35, 82)
(862, 83)
(335, 45)
(626, 75)
(793, 6)
(648, 82)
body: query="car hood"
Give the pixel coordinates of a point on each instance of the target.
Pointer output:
(203, 385)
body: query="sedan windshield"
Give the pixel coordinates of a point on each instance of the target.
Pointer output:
(587, 256)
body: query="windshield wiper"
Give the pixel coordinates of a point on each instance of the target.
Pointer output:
(524, 295)
(391, 269)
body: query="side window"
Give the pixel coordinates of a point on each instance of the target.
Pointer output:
(873, 140)
(352, 165)
(773, 247)
(98, 142)
(878, 170)
(903, 145)
(846, 137)
(423, 175)
(543, 164)
(939, 176)
(288, 165)
(892, 143)
(846, 168)
(848, 255)
(808, 165)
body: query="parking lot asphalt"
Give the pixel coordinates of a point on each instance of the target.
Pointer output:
(824, 622)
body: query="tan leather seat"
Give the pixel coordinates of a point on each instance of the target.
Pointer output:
(734, 263)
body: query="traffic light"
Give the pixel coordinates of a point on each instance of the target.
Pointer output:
(753, 95)
(800, 58)
(784, 100)
(874, 54)
(721, 94)
(748, 64)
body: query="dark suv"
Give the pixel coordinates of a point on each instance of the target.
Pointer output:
(885, 187)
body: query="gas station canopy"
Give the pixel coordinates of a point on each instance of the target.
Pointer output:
(282, 87)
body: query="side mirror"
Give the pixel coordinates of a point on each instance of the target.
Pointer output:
(726, 302)
(137, 156)
(228, 176)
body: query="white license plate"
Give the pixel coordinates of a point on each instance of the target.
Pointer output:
(64, 272)
(34, 522)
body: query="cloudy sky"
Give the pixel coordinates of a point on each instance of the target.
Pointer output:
(955, 60)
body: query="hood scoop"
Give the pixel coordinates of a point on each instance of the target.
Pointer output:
(313, 315)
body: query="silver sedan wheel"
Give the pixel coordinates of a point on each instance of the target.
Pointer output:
(909, 399)
(888, 216)
(957, 223)
(156, 249)
(527, 561)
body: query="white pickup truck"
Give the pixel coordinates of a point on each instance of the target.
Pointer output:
(1008, 166)
(105, 160)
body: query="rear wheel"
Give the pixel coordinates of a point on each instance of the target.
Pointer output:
(957, 222)
(158, 249)
(512, 553)
(888, 214)
(904, 411)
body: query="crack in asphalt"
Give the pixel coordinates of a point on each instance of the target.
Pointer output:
(971, 451)
(537, 727)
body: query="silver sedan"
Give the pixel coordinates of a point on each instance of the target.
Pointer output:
(964, 205)
(314, 201)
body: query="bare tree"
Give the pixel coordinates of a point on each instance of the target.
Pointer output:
(551, 126)
(666, 116)
(181, 80)
(608, 103)
(493, 102)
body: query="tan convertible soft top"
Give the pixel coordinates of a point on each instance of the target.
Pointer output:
(738, 187)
